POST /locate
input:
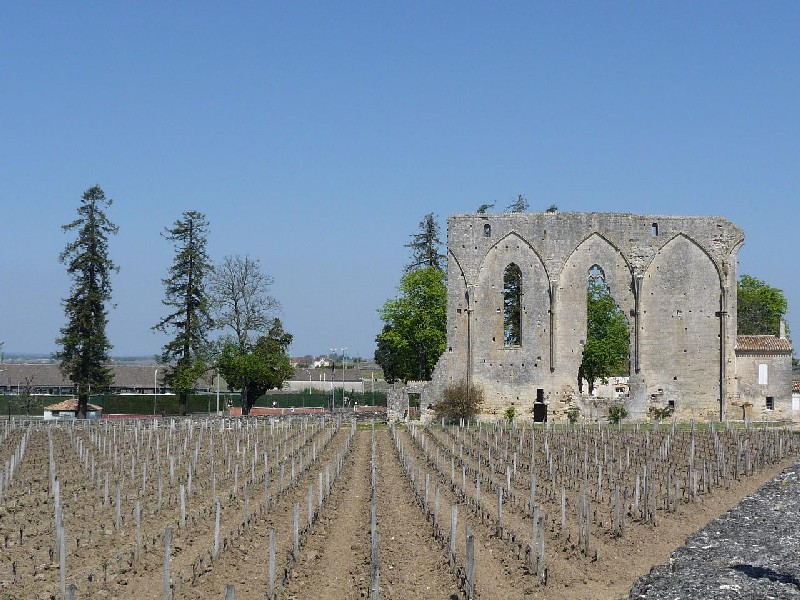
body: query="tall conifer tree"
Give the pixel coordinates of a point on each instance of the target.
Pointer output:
(185, 293)
(425, 246)
(84, 344)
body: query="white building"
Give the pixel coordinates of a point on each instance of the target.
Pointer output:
(65, 411)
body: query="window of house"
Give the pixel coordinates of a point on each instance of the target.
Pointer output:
(770, 403)
(763, 374)
(512, 306)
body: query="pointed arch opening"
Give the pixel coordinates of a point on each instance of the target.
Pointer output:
(512, 305)
(606, 350)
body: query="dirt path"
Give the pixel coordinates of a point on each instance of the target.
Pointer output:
(412, 562)
(335, 561)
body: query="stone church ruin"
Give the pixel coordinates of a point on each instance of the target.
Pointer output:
(517, 310)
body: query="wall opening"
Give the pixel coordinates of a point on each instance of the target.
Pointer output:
(606, 350)
(654, 229)
(770, 403)
(512, 306)
(539, 412)
(487, 230)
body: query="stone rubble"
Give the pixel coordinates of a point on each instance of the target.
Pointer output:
(751, 552)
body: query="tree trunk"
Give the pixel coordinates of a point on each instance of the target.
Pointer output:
(245, 401)
(182, 403)
(83, 401)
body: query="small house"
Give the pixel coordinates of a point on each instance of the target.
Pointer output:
(764, 377)
(65, 411)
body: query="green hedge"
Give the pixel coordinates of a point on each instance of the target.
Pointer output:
(142, 404)
(303, 399)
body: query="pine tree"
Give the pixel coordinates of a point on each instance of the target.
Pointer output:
(83, 341)
(189, 321)
(425, 246)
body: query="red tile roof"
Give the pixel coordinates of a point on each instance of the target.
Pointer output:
(762, 343)
(71, 404)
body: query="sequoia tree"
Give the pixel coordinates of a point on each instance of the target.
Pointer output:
(84, 344)
(185, 294)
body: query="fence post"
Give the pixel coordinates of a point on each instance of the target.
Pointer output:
(165, 595)
(453, 531)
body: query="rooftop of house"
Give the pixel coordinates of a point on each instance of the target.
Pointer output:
(71, 404)
(762, 343)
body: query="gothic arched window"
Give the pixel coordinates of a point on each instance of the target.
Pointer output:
(512, 306)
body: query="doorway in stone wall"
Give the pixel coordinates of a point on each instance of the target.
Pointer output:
(539, 407)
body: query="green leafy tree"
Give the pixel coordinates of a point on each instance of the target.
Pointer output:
(606, 350)
(518, 205)
(426, 246)
(84, 344)
(760, 307)
(185, 294)
(552, 208)
(255, 370)
(616, 413)
(459, 401)
(244, 308)
(414, 333)
(484, 207)
(386, 355)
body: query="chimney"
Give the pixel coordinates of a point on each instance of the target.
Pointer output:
(782, 333)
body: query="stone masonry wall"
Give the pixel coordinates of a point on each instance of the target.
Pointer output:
(673, 277)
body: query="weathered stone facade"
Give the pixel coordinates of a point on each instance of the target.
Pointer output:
(764, 378)
(673, 277)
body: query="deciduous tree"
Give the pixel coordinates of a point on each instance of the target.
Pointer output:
(760, 307)
(263, 367)
(185, 294)
(240, 298)
(84, 343)
(459, 401)
(386, 355)
(606, 350)
(414, 333)
(245, 309)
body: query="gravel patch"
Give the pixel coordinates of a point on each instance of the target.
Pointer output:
(753, 551)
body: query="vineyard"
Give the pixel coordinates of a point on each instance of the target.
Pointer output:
(324, 508)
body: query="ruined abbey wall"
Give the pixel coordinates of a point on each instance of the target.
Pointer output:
(673, 277)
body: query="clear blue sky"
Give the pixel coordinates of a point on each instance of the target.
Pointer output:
(315, 136)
